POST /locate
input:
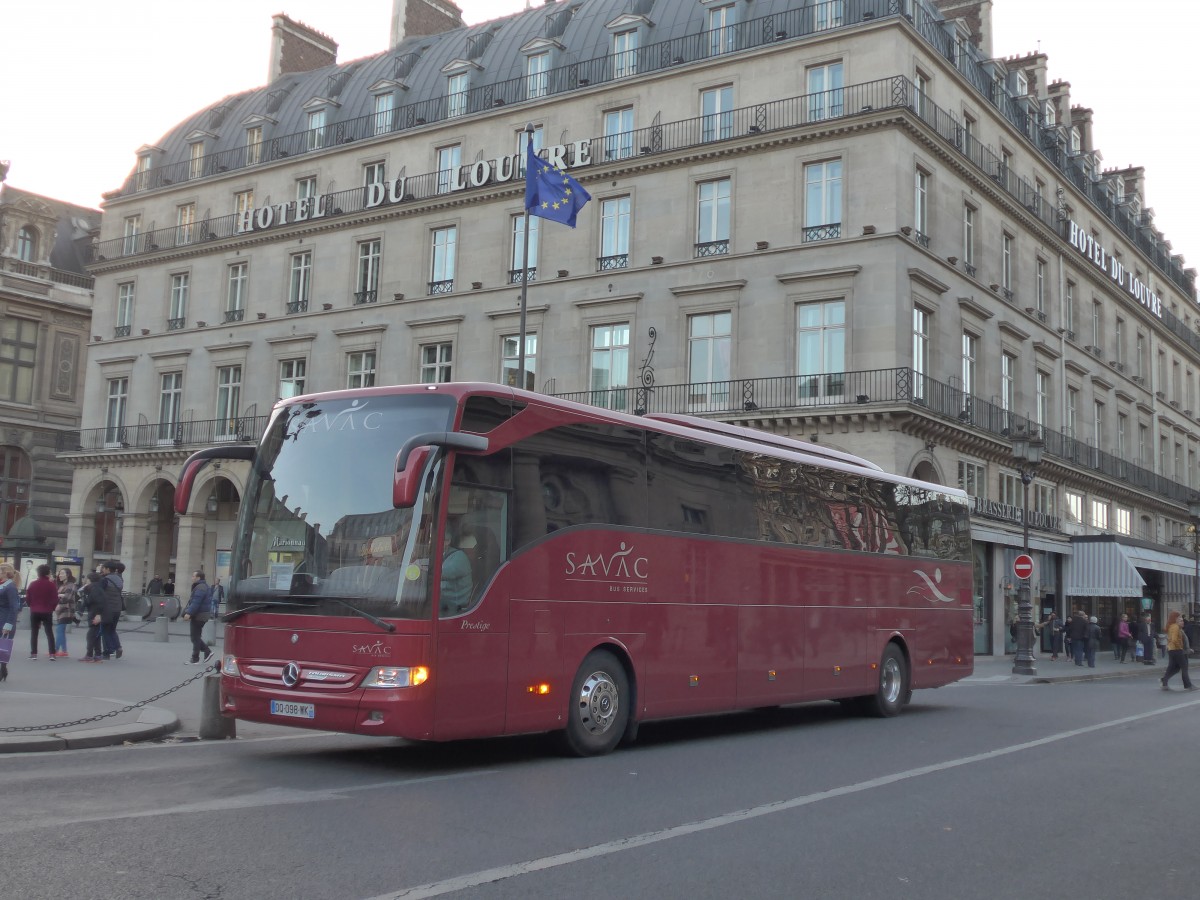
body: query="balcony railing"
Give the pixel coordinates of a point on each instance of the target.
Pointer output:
(442, 287)
(619, 261)
(514, 275)
(235, 315)
(841, 391)
(969, 269)
(822, 232)
(297, 306)
(122, 331)
(46, 273)
(176, 324)
(157, 435)
(361, 297)
(712, 248)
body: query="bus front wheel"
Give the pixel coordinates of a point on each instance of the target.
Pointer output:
(598, 706)
(893, 691)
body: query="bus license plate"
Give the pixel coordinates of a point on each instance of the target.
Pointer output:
(295, 710)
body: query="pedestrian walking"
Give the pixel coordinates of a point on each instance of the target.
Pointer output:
(41, 596)
(64, 613)
(1145, 636)
(1177, 660)
(1124, 637)
(91, 596)
(1093, 641)
(1054, 628)
(155, 587)
(112, 574)
(218, 597)
(197, 613)
(1077, 632)
(10, 607)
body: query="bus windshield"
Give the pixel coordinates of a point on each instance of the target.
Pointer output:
(318, 534)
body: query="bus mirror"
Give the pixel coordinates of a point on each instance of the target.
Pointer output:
(407, 480)
(196, 462)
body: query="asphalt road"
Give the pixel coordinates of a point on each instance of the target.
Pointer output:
(979, 790)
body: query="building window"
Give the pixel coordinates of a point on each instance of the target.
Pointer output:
(1008, 374)
(1100, 515)
(510, 346)
(185, 219)
(1143, 457)
(114, 414)
(306, 188)
(972, 478)
(292, 374)
(1123, 523)
(254, 142)
(618, 133)
(374, 173)
(823, 200)
(712, 217)
(195, 160)
(1010, 490)
(26, 244)
(625, 47)
(229, 400)
(828, 14)
(1042, 411)
(1072, 410)
(1098, 421)
(1122, 431)
(1139, 363)
(722, 36)
(436, 360)
(179, 300)
(18, 356)
(920, 93)
(710, 345)
(610, 365)
(456, 94)
(384, 104)
(235, 294)
(170, 403)
(821, 349)
(970, 351)
(141, 176)
(716, 110)
(1069, 309)
(125, 298)
(133, 226)
(1006, 263)
(300, 282)
(614, 233)
(825, 94)
(921, 207)
(1041, 289)
(315, 137)
(449, 159)
(920, 351)
(518, 248)
(360, 369)
(367, 284)
(968, 248)
(243, 202)
(16, 481)
(1119, 347)
(1097, 337)
(441, 273)
(1044, 499)
(537, 75)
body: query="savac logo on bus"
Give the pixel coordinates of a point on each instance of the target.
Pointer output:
(621, 571)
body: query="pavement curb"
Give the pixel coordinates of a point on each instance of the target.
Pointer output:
(153, 722)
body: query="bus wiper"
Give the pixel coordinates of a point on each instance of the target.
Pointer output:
(238, 613)
(374, 620)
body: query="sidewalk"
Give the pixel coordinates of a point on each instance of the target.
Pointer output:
(90, 700)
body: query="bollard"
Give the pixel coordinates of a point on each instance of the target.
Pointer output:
(213, 725)
(161, 636)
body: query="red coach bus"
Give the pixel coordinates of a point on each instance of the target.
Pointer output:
(461, 560)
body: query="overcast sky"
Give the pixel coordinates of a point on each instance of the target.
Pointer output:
(87, 82)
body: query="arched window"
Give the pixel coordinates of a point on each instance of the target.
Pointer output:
(16, 476)
(110, 509)
(26, 244)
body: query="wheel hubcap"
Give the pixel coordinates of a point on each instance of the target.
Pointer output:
(891, 681)
(598, 702)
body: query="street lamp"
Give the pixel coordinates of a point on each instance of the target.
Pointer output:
(1027, 454)
(1194, 512)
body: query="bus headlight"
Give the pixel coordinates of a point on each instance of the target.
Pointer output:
(396, 676)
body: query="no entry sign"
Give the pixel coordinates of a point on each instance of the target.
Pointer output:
(1023, 565)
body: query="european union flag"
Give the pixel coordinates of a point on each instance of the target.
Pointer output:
(549, 192)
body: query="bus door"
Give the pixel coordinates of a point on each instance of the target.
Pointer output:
(536, 674)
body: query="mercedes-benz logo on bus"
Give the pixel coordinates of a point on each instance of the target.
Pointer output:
(291, 674)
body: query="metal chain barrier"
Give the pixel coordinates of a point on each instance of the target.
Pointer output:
(116, 712)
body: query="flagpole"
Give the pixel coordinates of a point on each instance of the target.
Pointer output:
(524, 274)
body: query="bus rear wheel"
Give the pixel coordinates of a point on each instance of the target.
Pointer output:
(893, 691)
(598, 710)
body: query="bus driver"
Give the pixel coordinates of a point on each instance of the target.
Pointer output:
(456, 577)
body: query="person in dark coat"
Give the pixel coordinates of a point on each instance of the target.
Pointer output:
(10, 606)
(198, 611)
(112, 573)
(1145, 635)
(1093, 641)
(1054, 628)
(1077, 631)
(41, 596)
(92, 599)
(155, 587)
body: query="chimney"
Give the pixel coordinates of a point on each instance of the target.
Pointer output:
(416, 18)
(297, 48)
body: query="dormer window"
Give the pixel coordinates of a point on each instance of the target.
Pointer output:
(384, 107)
(315, 138)
(625, 47)
(537, 75)
(254, 142)
(1050, 115)
(1076, 141)
(1022, 84)
(457, 86)
(195, 159)
(141, 176)
(721, 33)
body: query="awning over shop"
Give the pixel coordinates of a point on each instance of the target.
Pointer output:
(1009, 539)
(1101, 570)
(1160, 560)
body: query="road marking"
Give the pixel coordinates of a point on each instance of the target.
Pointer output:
(500, 873)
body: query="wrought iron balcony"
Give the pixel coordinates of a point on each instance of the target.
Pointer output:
(712, 248)
(1008, 294)
(921, 238)
(515, 275)
(234, 315)
(620, 261)
(361, 297)
(822, 232)
(297, 306)
(122, 331)
(442, 287)
(841, 392)
(157, 435)
(969, 269)
(176, 324)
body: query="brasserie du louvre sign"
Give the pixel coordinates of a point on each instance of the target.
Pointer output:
(387, 193)
(1006, 512)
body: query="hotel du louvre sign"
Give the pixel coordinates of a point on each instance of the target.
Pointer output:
(387, 193)
(1093, 252)
(1006, 512)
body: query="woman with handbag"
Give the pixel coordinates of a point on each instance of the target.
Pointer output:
(64, 613)
(10, 605)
